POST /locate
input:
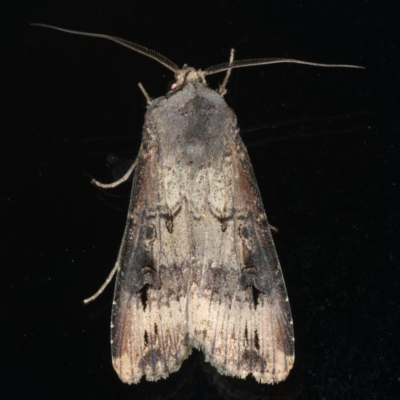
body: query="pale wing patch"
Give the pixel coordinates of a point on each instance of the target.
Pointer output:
(216, 193)
(220, 188)
(239, 339)
(172, 190)
(153, 338)
(198, 192)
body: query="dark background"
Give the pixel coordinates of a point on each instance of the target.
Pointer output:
(324, 145)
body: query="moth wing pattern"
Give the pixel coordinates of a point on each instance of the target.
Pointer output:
(240, 314)
(149, 333)
(197, 265)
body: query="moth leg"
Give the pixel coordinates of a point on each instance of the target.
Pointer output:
(222, 89)
(103, 286)
(145, 94)
(273, 228)
(119, 181)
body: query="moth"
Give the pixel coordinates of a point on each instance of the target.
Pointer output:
(197, 267)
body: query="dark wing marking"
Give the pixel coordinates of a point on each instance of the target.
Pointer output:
(239, 310)
(149, 326)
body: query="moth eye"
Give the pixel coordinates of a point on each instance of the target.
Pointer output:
(171, 85)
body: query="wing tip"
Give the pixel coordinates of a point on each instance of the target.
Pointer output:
(126, 372)
(276, 373)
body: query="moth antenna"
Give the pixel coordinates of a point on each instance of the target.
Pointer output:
(264, 61)
(130, 45)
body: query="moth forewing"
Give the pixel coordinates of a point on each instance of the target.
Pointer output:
(197, 265)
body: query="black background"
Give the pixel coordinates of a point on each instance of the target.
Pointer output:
(324, 145)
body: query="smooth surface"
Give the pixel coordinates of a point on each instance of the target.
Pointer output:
(324, 146)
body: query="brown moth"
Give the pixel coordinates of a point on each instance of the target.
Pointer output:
(197, 265)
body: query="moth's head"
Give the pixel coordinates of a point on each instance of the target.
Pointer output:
(186, 75)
